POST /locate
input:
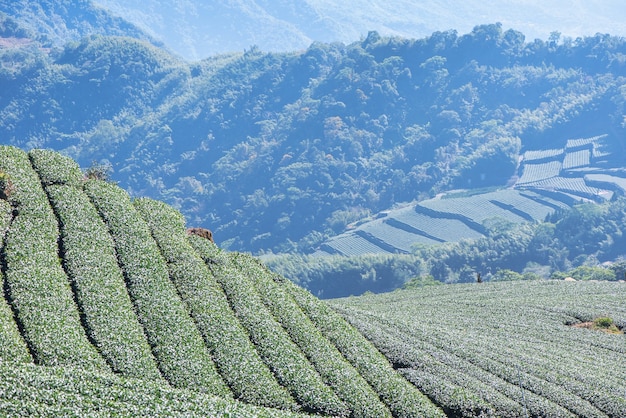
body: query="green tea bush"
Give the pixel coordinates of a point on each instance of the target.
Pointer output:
(336, 371)
(12, 346)
(91, 263)
(176, 343)
(284, 358)
(525, 351)
(36, 391)
(237, 360)
(55, 168)
(36, 284)
(402, 398)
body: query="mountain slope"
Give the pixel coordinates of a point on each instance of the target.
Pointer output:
(99, 286)
(198, 29)
(278, 152)
(57, 22)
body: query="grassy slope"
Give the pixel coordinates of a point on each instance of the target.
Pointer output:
(157, 322)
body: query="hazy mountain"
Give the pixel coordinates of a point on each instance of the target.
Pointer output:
(56, 22)
(198, 29)
(277, 151)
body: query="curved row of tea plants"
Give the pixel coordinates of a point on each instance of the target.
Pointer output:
(506, 347)
(236, 358)
(336, 371)
(35, 282)
(176, 343)
(291, 368)
(90, 262)
(27, 390)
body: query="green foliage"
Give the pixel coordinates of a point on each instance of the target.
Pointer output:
(90, 261)
(95, 283)
(420, 281)
(13, 346)
(171, 332)
(54, 391)
(35, 283)
(327, 360)
(603, 322)
(398, 394)
(55, 168)
(587, 273)
(235, 356)
(337, 276)
(287, 148)
(286, 360)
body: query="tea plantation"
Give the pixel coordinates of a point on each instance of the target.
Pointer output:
(109, 308)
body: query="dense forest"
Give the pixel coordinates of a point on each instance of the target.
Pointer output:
(585, 242)
(276, 152)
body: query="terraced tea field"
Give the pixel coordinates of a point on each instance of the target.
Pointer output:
(548, 180)
(503, 349)
(109, 308)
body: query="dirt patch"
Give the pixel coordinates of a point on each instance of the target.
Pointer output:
(599, 326)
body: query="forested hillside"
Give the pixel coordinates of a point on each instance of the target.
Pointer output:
(278, 152)
(53, 23)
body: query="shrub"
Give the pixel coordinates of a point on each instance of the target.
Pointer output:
(336, 371)
(91, 263)
(55, 168)
(402, 398)
(284, 358)
(12, 346)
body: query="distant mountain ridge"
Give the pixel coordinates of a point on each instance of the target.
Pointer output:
(197, 29)
(57, 22)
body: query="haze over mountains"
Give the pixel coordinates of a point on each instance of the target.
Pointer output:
(197, 29)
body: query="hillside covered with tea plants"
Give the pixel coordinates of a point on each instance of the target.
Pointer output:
(109, 308)
(101, 290)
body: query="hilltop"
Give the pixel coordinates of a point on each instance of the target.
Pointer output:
(110, 308)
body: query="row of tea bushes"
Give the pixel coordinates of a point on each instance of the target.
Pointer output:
(508, 345)
(235, 356)
(290, 366)
(13, 346)
(91, 263)
(36, 391)
(402, 398)
(176, 343)
(36, 284)
(336, 371)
